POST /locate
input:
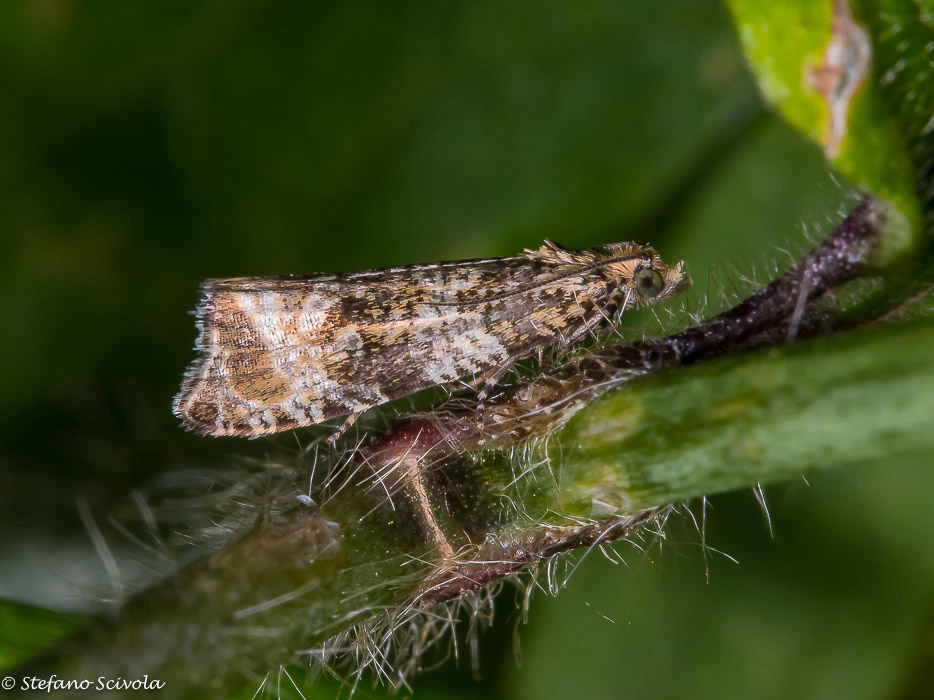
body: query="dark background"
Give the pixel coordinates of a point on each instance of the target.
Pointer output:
(145, 146)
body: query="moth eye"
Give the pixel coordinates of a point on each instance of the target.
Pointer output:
(649, 283)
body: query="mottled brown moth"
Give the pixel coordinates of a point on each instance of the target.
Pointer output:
(276, 353)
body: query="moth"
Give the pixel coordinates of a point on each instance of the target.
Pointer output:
(276, 353)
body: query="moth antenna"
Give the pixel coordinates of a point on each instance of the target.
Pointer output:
(344, 427)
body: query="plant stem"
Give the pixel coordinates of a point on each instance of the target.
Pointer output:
(760, 417)
(304, 576)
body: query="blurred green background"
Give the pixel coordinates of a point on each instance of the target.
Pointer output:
(145, 146)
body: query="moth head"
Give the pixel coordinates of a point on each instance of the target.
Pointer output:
(643, 276)
(657, 281)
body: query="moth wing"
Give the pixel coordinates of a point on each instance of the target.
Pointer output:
(273, 357)
(275, 353)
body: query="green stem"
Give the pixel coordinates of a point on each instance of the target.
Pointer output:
(760, 417)
(309, 574)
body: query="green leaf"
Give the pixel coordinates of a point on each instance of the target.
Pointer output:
(26, 629)
(844, 81)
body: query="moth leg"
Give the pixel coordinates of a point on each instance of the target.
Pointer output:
(351, 419)
(482, 378)
(491, 379)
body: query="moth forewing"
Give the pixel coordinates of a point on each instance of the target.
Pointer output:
(276, 353)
